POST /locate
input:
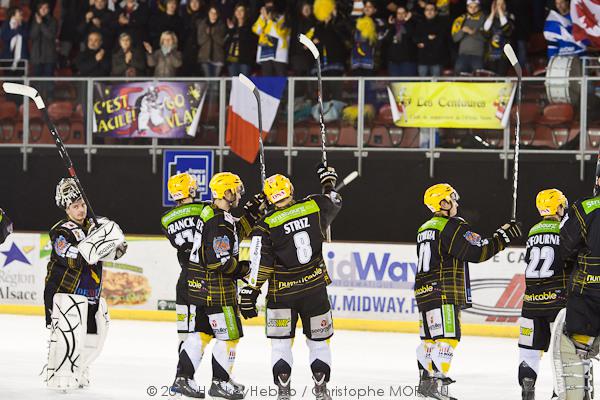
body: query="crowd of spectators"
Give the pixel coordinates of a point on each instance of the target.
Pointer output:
(166, 38)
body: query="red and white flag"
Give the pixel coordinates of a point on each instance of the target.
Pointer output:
(586, 20)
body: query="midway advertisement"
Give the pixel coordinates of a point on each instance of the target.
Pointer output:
(370, 281)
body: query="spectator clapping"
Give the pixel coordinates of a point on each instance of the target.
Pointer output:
(167, 59)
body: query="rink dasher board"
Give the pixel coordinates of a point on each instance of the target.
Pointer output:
(372, 284)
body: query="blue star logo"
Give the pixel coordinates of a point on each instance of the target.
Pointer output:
(14, 254)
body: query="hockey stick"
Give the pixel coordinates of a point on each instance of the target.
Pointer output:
(28, 91)
(315, 53)
(252, 87)
(346, 181)
(510, 54)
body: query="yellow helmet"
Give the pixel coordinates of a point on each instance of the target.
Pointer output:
(277, 188)
(182, 186)
(436, 193)
(548, 200)
(224, 181)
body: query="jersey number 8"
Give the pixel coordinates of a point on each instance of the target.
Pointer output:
(537, 254)
(303, 248)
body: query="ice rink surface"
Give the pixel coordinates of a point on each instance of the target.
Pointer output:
(140, 357)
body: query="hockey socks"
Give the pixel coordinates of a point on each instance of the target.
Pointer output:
(191, 354)
(442, 353)
(223, 358)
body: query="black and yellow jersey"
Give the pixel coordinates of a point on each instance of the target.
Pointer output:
(286, 247)
(178, 225)
(68, 271)
(213, 264)
(580, 245)
(445, 246)
(545, 275)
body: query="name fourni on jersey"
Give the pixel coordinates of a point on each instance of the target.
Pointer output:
(543, 239)
(296, 225)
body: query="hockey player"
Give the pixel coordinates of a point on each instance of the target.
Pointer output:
(75, 312)
(212, 287)
(6, 226)
(445, 246)
(545, 290)
(286, 250)
(576, 334)
(178, 225)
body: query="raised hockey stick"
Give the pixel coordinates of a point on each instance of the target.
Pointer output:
(315, 53)
(252, 87)
(510, 54)
(28, 91)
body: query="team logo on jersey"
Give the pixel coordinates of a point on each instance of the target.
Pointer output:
(213, 323)
(61, 245)
(473, 238)
(221, 246)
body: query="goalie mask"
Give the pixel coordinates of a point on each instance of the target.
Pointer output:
(67, 193)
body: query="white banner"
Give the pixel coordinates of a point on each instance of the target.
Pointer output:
(370, 281)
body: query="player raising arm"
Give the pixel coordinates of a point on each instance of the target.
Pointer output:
(212, 287)
(545, 287)
(445, 246)
(286, 250)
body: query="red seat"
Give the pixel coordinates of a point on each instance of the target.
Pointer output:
(379, 137)
(348, 135)
(529, 114)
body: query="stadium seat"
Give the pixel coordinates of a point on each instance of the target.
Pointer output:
(300, 133)
(36, 124)
(379, 137)
(557, 118)
(8, 116)
(347, 136)
(529, 114)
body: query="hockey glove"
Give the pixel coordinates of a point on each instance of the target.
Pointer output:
(255, 207)
(509, 232)
(242, 269)
(248, 296)
(327, 175)
(6, 226)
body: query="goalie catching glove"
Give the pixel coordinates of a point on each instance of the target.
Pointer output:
(105, 243)
(509, 232)
(248, 296)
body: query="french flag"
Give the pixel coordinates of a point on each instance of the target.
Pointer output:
(586, 17)
(242, 115)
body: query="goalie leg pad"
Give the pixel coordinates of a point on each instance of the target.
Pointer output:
(94, 342)
(572, 370)
(67, 338)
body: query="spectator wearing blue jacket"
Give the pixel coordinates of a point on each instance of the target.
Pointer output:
(14, 35)
(558, 31)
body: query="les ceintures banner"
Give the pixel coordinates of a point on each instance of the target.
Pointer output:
(478, 105)
(148, 109)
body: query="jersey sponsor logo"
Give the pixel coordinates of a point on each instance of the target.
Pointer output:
(278, 322)
(221, 246)
(545, 296)
(473, 238)
(526, 331)
(423, 290)
(592, 279)
(296, 225)
(286, 285)
(194, 284)
(61, 245)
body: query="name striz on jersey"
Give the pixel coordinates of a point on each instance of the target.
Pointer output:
(181, 225)
(296, 225)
